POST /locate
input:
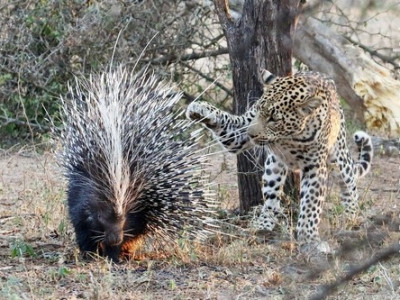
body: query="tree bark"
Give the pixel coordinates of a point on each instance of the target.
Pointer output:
(260, 39)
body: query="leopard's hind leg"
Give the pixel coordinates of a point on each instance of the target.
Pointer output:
(351, 170)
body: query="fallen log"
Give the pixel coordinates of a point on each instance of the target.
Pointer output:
(367, 87)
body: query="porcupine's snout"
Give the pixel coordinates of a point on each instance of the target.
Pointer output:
(112, 243)
(114, 232)
(113, 238)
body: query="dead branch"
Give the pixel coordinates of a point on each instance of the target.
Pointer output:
(386, 254)
(373, 52)
(6, 121)
(173, 58)
(209, 79)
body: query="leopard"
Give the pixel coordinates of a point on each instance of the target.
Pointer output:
(300, 123)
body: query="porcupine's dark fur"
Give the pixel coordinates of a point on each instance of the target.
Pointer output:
(130, 172)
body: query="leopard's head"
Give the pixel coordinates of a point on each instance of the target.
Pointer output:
(287, 107)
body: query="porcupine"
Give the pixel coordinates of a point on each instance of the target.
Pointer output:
(131, 164)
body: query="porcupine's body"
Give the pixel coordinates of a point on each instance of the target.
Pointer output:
(130, 172)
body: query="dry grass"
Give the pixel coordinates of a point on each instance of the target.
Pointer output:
(39, 259)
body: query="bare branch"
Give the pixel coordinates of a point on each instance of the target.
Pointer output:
(172, 58)
(374, 52)
(382, 256)
(209, 79)
(6, 70)
(42, 128)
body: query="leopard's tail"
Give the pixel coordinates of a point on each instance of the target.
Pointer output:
(365, 150)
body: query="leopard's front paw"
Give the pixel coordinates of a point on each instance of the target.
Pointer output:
(263, 221)
(203, 113)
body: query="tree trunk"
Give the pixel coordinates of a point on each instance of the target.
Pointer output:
(260, 39)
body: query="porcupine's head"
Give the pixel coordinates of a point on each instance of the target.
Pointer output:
(131, 165)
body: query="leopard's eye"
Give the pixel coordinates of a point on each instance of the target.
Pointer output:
(277, 117)
(273, 116)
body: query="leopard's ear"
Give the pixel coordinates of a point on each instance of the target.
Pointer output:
(267, 77)
(309, 106)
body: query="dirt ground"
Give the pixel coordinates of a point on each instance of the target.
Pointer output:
(39, 258)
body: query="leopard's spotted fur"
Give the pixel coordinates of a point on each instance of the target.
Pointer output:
(299, 119)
